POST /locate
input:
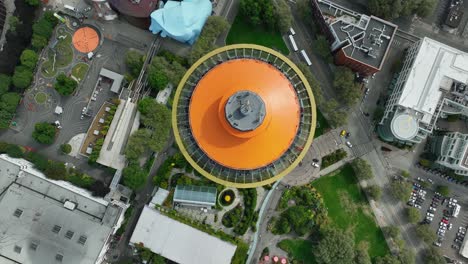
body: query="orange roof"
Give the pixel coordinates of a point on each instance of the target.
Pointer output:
(85, 39)
(231, 147)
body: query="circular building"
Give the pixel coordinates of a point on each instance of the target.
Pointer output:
(244, 115)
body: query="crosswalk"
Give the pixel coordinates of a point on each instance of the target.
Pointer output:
(362, 149)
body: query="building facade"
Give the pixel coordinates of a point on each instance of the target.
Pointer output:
(451, 151)
(358, 41)
(431, 84)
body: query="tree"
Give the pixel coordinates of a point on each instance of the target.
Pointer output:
(29, 58)
(387, 259)
(374, 192)
(33, 2)
(413, 215)
(391, 231)
(405, 174)
(337, 118)
(99, 189)
(5, 82)
(5, 118)
(335, 246)
(13, 21)
(426, 234)
(137, 144)
(343, 82)
(433, 256)
(44, 133)
(362, 254)
(22, 77)
(9, 102)
(283, 16)
(214, 26)
(43, 28)
(66, 148)
(134, 61)
(49, 16)
(55, 170)
(443, 190)
(158, 119)
(322, 47)
(426, 8)
(314, 84)
(305, 10)
(134, 177)
(362, 169)
(400, 190)
(300, 219)
(38, 42)
(157, 79)
(407, 256)
(65, 85)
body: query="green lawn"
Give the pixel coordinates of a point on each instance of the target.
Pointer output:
(79, 70)
(322, 124)
(40, 97)
(342, 183)
(64, 51)
(242, 32)
(299, 250)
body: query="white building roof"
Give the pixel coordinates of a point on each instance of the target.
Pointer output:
(39, 205)
(434, 67)
(464, 248)
(179, 242)
(112, 151)
(117, 79)
(159, 197)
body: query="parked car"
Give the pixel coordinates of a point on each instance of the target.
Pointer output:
(314, 164)
(349, 144)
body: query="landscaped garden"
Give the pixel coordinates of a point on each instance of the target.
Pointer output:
(79, 71)
(333, 158)
(40, 97)
(243, 32)
(227, 197)
(62, 54)
(348, 209)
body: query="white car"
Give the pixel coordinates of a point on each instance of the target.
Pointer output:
(418, 206)
(349, 144)
(314, 164)
(429, 214)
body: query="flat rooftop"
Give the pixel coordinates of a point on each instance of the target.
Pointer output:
(364, 38)
(435, 68)
(36, 227)
(112, 151)
(179, 242)
(115, 77)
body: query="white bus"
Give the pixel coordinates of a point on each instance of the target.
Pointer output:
(293, 43)
(306, 58)
(291, 30)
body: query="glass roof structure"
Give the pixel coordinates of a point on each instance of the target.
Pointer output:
(204, 162)
(202, 195)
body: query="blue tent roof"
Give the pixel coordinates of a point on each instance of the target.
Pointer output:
(182, 21)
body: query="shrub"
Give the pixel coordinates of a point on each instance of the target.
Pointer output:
(333, 158)
(44, 133)
(66, 148)
(232, 217)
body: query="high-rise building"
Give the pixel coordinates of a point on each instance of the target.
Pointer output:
(244, 115)
(431, 84)
(357, 41)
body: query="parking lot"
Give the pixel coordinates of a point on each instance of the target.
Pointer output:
(445, 215)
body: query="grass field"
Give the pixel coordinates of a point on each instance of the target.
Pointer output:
(348, 208)
(40, 97)
(299, 249)
(322, 124)
(79, 70)
(241, 32)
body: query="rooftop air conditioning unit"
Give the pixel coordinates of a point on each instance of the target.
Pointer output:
(69, 205)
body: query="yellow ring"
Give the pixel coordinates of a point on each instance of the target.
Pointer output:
(213, 177)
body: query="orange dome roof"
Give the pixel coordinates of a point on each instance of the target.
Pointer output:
(234, 148)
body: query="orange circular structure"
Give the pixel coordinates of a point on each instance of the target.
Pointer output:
(244, 116)
(85, 39)
(224, 143)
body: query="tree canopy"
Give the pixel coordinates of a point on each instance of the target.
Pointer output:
(22, 77)
(390, 9)
(214, 26)
(137, 144)
(65, 85)
(43, 27)
(134, 61)
(343, 82)
(5, 82)
(33, 2)
(161, 72)
(38, 41)
(400, 190)
(426, 234)
(433, 256)
(362, 169)
(335, 246)
(413, 215)
(374, 192)
(443, 190)
(134, 177)
(29, 58)
(44, 133)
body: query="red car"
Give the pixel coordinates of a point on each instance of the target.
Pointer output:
(445, 221)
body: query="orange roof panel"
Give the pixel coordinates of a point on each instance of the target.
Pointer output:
(231, 147)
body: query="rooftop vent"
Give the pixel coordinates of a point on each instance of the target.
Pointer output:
(69, 205)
